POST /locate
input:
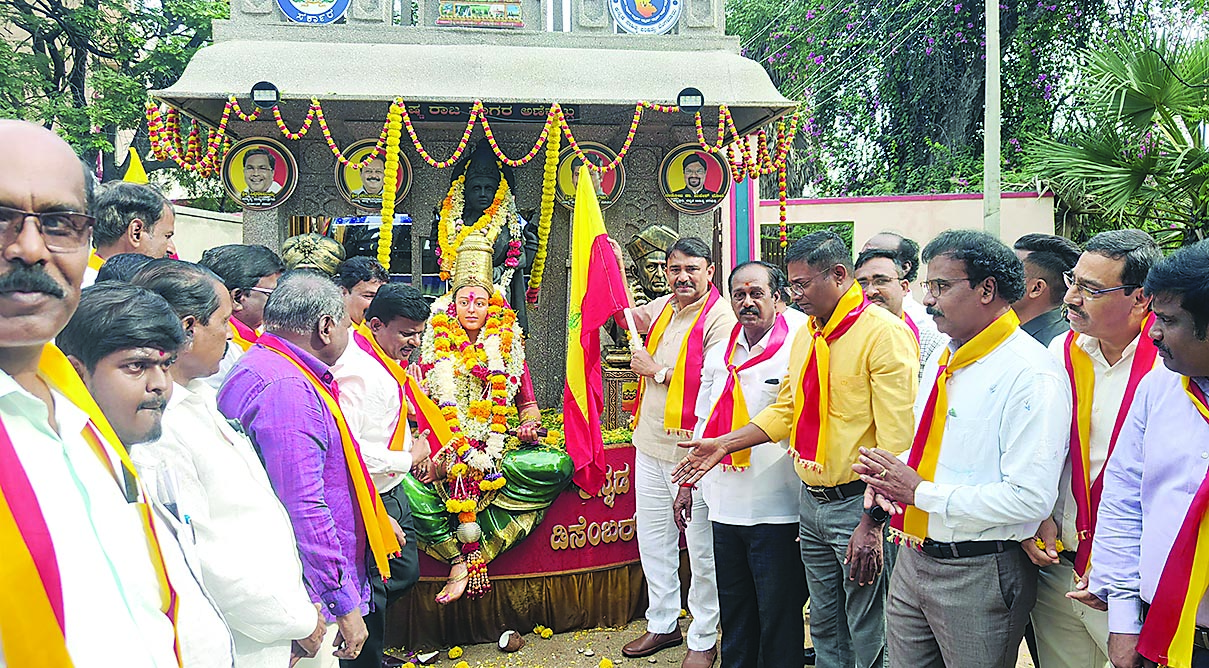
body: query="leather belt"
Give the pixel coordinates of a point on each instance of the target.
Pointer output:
(969, 548)
(837, 493)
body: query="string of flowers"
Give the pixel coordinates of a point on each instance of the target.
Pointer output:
(379, 148)
(306, 124)
(389, 184)
(782, 191)
(625, 147)
(233, 104)
(462, 143)
(549, 181)
(451, 233)
(552, 117)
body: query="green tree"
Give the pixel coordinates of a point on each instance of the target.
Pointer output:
(84, 66)
(1137, 154)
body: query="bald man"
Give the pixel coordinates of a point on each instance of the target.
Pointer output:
(77, 562)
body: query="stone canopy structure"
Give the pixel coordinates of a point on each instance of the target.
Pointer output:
(571, 52)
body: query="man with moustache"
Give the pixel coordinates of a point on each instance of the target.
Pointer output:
(245, 546)
(906, 251)
(250, 273)
(373, 386)
(1148, 557)
(96, 564)
(131, 218)
(1106, 354)
(881, 275)
(753, 500)
(122, 340)
(850, 380)
(982, 471)
(681, 328)
(1046, 257)
(372, 176)
(695, 171)
(283, 393)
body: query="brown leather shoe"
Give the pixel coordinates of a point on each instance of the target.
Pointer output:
(698, 659)
(649, 643)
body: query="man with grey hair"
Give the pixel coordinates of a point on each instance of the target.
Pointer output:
(131, 218)
(283, 393)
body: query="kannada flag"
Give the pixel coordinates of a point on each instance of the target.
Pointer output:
(134, 168)
(598, 292)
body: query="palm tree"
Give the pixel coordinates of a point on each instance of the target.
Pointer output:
(1137, 154)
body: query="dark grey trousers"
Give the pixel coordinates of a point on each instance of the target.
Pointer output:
(959, 613)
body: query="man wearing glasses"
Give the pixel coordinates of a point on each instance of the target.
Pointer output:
(250, 273)
(851, 379)
(1106, 355)
(881, 275)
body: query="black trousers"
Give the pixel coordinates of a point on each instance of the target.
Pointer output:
(761, 593)
(404, 572)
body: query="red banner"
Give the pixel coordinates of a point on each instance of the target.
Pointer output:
(579, 532)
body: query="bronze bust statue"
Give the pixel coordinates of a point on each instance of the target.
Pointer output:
(648, 250)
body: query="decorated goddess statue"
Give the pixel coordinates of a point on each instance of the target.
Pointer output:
(485, 491)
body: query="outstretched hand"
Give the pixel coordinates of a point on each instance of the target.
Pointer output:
(703, 455)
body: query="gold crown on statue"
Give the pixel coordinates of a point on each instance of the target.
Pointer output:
(473, 264)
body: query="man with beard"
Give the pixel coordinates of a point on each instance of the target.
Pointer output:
(372, 386)
(695, 171)
(131, 218)
(90, 593)
(881, 275)
(122, 340)
(851, 376)
(681, 328)
(1106, 355)
(248, 558)
(1148, 556)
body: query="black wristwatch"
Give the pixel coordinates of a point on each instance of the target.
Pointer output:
(877, 514)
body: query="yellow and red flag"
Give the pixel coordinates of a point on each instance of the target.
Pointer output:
(598, 292)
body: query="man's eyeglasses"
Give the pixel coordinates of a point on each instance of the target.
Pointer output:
(798, 288)
(878, 281)
(62, 231)
(938, 286)
(264, 291)
(1091, 293)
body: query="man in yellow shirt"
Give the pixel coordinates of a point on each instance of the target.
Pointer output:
(851, 382)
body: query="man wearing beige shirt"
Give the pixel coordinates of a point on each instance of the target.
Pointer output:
(690, 270)
(1106, 308)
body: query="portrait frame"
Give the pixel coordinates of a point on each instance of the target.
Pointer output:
(285, 174)
(675, 189)
(348, 180)
(612, 183)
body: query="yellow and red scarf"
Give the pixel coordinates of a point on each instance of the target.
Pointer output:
(1082, 380)
(95, 261)
(429, 416)
(32, 625)
(730, 411)
(912, 526)
(679, 413)
(243, 336)
(1167, 634)
(912, 326)
(382, 541)
(811, 405)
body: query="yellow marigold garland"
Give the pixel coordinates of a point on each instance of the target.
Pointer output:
(389, 184)
(448, 248)
(549, 181)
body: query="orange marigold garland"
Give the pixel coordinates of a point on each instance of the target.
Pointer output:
(549, 181)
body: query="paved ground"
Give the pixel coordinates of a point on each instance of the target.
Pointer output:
(585, 649)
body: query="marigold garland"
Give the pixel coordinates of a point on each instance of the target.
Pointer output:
(390, 184)
(549, 181)
(452, 231)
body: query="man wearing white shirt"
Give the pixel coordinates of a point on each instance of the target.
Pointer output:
(371, 399)
(96, 563)
(982, 472)
(123, 340)
(250, 273)
(754, 510)
(1106, 354)
(245, 542)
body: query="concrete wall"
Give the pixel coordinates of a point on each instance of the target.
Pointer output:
(198, 230)
(920, 217)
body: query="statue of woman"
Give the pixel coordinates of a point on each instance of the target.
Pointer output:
(481, 495)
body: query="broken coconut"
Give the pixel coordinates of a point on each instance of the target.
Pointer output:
(511, 641)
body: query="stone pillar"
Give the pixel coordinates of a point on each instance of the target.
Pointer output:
(701, 17)
(264, 227)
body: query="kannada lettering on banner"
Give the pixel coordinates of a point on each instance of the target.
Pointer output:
(481, 14)
(316, 12)
(579, 532)
(460, 111)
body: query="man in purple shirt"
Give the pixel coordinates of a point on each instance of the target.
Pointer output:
(1159, 464)
(299, 442)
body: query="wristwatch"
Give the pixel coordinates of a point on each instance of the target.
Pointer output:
(661, 375)
(877, 514)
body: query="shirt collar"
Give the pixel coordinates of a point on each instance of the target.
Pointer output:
(763, 342)
(691, 308)
(1042, 321)
(316, 366)
(1091, 346)
(19, 401)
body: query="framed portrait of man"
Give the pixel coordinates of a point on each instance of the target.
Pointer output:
(609, 185)
(363, 187)
(259, 173)
(693, 180)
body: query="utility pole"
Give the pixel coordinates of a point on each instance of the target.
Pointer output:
(991, 123)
